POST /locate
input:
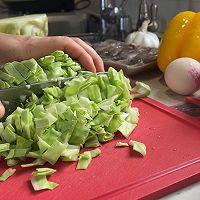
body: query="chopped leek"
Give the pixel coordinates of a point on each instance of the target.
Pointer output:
(70, 153)
(51, 67)
(121, 144)
(39, 180)
(138, 146)
(86, 157)
(139, 86)
(4, 147)
(9, 172)
(41, 183)
(43, 171)
(86, 112)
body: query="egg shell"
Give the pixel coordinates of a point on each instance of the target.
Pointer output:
(183, 76)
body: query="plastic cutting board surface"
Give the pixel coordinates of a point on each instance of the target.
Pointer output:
(172, 161)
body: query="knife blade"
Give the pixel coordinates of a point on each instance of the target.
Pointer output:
(13, 97)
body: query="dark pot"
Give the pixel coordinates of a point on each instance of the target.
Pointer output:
(39, 6)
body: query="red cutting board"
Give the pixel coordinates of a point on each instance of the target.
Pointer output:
(172, 161)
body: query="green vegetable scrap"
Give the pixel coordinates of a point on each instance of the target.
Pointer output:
(71, 153)
(9, 172)
(43, 172)
(121, 144)
(139, 86)
(4, 147)
(39, 180)
(138, 146)
(86, 157)
(52, 67)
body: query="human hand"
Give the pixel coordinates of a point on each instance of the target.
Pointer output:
(15, 47)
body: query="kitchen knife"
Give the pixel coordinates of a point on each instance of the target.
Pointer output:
(15, 96)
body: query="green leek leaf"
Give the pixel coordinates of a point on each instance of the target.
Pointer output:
(6, 174)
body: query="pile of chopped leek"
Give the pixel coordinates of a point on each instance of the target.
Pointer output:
(86, 112)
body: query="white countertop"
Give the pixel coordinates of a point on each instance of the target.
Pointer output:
(160, 92)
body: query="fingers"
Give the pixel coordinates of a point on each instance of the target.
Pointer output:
(78, 52)
(2, 110)
(77, 49)
(98, 62)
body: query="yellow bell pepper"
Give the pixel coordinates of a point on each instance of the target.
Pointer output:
(180, 39)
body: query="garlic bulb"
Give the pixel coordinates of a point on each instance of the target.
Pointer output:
(143, 38)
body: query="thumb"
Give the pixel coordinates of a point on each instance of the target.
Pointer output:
(2, 110)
